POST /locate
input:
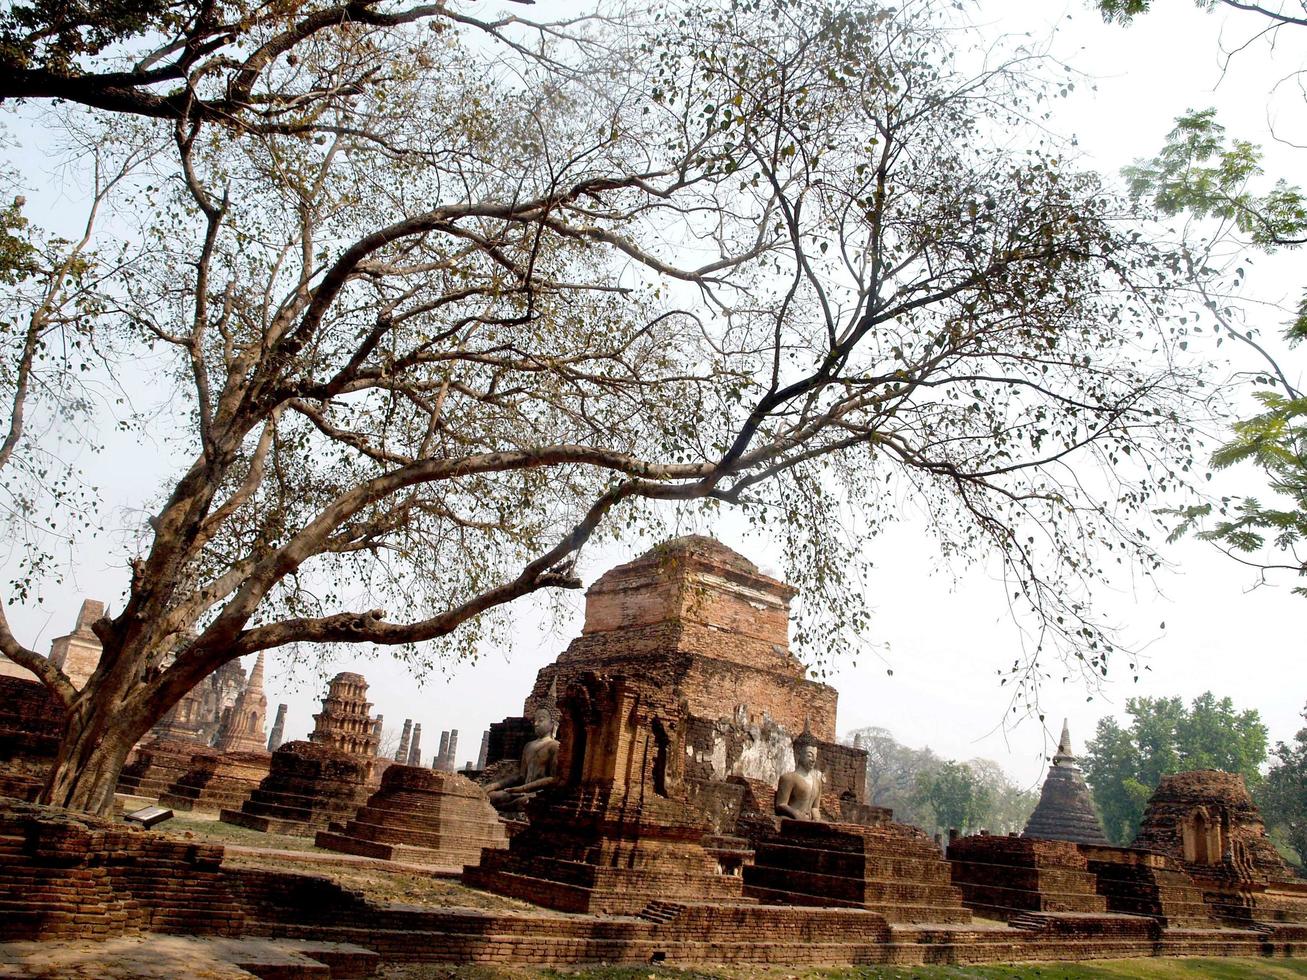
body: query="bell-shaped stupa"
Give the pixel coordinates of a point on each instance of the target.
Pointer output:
(1065, 810)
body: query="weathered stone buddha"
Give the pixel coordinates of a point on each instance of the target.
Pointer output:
(798, 794)
(537, 771)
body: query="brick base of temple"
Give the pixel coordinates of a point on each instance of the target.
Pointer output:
(217, 782)
(891, 869)
(64, 876)
(421, 817)
(307, 788)
(1003, 877)
(605, 852)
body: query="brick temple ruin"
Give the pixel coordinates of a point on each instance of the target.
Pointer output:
(653, 834)
(311, 784)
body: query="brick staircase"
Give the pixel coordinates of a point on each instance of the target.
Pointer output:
(890, 869)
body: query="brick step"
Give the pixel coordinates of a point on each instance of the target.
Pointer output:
(475, 824)
(851, 863)
(435, 839)
(894, 912)
(444, 857)
(565, 896)
(853, 889)
(657, 911)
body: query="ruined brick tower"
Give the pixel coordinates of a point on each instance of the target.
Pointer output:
(695, 602)
(344, 722)
(245, 722)
(78, 653)
(716, 630)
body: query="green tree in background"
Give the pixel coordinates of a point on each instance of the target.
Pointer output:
(956, 796)
(1125, 765)
(904, 779)
(1284, 794)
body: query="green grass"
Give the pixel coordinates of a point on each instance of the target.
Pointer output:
(1132, 969)
(205, 827)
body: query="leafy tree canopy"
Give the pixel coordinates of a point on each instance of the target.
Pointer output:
(1202, 173)
(1284, 795)
(426, 338)
(1125, 765)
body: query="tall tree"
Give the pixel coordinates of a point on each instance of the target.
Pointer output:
(1284, 794)
(896, 775)
(1202, 173)
(1124, 766)
(521, 295)
(957, 797)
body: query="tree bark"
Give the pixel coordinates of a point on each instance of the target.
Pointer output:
(85, 772)
(98, 736)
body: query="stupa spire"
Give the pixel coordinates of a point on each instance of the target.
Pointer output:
(1065, 810)
(255, 685)
(1064, 751)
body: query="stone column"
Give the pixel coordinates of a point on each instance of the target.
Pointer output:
(402, 755)
(485, 749)
(376, 729)
(415, 750)
(278, 729)
(452, 755)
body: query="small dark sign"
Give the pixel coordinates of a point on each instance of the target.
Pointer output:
(149, 816)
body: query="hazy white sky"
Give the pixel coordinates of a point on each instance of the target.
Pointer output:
(943, 638)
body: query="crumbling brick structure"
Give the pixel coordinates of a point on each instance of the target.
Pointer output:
(1001, 877)
(217, 782)
(716, 630)
(892, 869)
(1207, 822)
(159, 764)
(620, 832)
(31, 727)
(308, 786)
(420, 816)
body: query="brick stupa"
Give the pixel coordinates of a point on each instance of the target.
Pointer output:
(716, 629)
(1065, 810)
(78, 653)
(713, 621)
(1207, 822)
(312, 784)
(344, 723)
(246, 720)
(421, 817)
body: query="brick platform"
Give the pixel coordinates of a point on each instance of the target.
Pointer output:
(421, 817)
(216, 782)
(159, 764)
(31, 727)
(75, 878)
(307, 787)
(1142, 883)
(891, 869)
(1003, 877)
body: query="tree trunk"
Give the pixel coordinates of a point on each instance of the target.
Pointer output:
(96, 742)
